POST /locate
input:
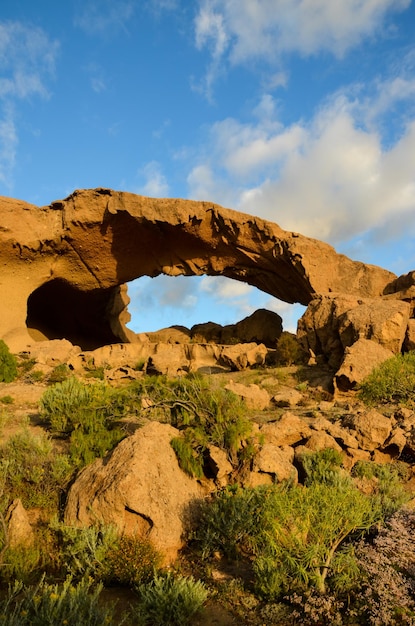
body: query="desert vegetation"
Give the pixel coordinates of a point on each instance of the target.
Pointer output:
(335, 547)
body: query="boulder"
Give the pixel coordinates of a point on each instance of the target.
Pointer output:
(287, 397)
(380, 320)
(139, 488)
(243, 355)
(287, 431)
(321, 440)
(262, 327)
(254, 396)
(372, 429)
(19, 529)
(358, 362)
(218, 464)
(409, 341)
(277, 461)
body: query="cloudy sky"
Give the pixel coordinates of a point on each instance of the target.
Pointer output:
(298, 111)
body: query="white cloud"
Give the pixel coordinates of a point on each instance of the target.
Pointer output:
(27, 63)
(224, 288)
(242, 30)
(105, 17)
(331, 177)
(8, 147)
(27, 60)
(156, 184)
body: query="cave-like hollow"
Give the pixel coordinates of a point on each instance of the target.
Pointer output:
(58, 310)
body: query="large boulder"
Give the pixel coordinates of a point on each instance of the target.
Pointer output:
(139, 488)
(66, 265)
(358, 362)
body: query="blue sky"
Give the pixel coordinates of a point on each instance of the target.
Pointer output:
(298, 111)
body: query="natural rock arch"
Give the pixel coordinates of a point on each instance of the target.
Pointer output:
(67, 264)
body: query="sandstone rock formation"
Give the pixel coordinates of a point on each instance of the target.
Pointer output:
(65, 266)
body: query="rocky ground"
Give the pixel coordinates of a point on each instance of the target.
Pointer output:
(298, 398)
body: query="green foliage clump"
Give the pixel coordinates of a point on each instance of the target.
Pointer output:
(297, 536)
(131, 561)
(322, 466)
(205, 414)
(83, 551)
(8, 364)
(170, 600)
(389, 493)
(229, 522)
(7, 399)
(85, 414)
(289, 350)
(32, 471)
(59, 373)
(392, 381)
(53, 605)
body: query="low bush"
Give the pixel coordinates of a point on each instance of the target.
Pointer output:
(86, 414)
(131, 561)
(289, 350)
(8, 364)
(32, 471)
(53, 605)
(392, 381)
(170, 601)
(83, 551)
(206, 415)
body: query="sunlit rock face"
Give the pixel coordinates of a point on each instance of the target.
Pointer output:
(65, 266)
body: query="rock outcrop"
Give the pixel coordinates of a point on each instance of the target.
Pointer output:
(65, 266)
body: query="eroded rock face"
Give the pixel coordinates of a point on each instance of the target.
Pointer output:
(67, 264)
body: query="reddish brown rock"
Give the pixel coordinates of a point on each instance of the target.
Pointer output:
(358, 362)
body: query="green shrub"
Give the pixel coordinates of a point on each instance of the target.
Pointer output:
(322, 466)
(229, 523)
(7, 399)
(389, 493)
(289, 350)
(85, 413)
(8, 364)
(83, 551)
(21, 563)
(32, 471)
(131, 561)
(392, 381)
(59, 373)
(302, 534)
(188, 456)
(53, 605)
(170, 600)
(296, 535)
(206, 415)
